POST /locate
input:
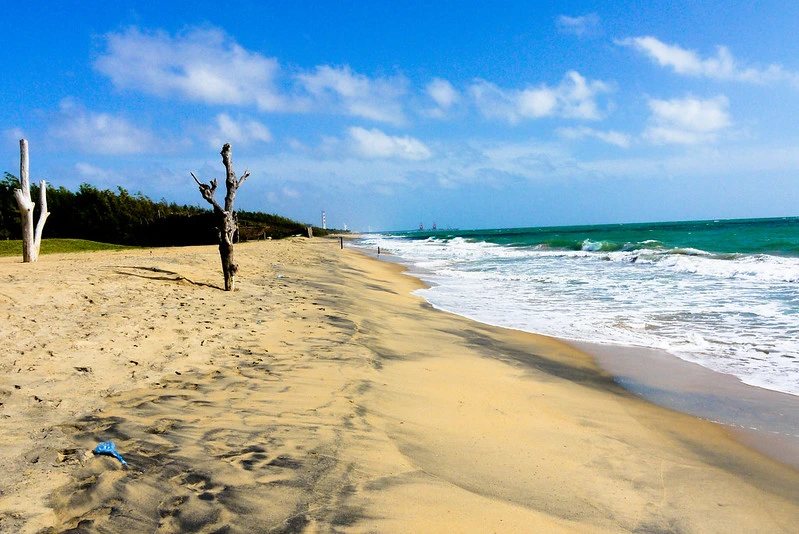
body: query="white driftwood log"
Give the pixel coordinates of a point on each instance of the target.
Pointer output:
(31, 240)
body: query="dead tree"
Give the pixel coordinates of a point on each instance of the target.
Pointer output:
(226, 223)
(31, 240)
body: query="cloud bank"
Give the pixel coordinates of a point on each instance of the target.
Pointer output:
(206, 65)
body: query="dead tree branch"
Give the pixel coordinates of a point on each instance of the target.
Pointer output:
(226, 223)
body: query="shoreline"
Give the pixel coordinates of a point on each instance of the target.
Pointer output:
(324, 395)
(764, 419)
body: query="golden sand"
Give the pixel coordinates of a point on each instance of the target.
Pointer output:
(324, 397)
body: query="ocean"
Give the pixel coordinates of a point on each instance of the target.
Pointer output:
(723, 294)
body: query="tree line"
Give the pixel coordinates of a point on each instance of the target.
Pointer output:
(122, 218)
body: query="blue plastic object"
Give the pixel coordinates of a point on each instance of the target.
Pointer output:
(108, 447)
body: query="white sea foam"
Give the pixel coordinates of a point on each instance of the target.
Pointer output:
(735, 314)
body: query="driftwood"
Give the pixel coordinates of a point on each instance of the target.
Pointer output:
(226, 223)
(31, 239)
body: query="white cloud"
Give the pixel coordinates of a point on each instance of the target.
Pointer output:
(536, 103)
(355, 94)
(584, 26)
(444, 97)
(688, 120)
(99, 133)
(243, 132)
(442, 92)
(681, 60)
(615, 138)
(200, 64)
(722, 67)
(574, 97)
(376, 144)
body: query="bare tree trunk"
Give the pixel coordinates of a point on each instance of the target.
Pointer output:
(43, 214)
(226, 223)
(31, 240)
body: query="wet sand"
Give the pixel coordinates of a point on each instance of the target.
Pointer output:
(766, 420)
(323, 396)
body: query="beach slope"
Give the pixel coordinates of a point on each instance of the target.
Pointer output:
(324, 396)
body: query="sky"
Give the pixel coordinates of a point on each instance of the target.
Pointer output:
(385, 115)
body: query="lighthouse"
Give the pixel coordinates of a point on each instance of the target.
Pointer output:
(324, 220)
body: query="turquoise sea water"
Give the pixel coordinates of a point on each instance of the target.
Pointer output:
(779, 237)
(724, 294)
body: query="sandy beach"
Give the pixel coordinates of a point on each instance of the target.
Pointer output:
(322, 396)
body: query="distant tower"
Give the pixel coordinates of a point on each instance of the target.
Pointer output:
(324, 221)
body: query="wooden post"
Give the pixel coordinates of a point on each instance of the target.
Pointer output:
(31, 239)
(226, 224)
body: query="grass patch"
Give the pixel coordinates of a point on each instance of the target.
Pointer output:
(57, 246)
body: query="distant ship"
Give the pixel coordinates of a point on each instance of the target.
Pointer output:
(436, 229)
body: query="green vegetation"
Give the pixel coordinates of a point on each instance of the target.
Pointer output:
(57, 246)
(120, 218)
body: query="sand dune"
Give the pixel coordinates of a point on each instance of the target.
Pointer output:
(323, 396)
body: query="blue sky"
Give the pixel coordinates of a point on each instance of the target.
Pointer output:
(467, 114)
